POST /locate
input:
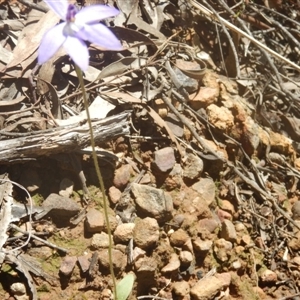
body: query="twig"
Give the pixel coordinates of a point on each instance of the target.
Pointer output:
(210, 14)
(31, 235)
(34, 6)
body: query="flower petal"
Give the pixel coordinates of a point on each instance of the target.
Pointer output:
(78, 51)
(93, 13)
(59, 6)
(100, 35)
(51, 42)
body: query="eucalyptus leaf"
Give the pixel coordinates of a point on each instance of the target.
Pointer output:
(124, 286)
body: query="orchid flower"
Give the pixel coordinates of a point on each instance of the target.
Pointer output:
(78, 27)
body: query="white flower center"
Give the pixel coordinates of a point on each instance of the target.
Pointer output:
(71, 29)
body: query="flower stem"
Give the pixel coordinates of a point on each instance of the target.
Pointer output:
(98, 172)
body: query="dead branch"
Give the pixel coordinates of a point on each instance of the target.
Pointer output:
(62, 139)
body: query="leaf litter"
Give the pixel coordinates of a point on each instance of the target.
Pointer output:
(204, 97)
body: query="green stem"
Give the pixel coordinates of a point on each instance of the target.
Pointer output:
(94, 155)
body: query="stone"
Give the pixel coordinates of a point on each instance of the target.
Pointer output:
(83, 262)
(190, 84)
(119, 259)
(206, 189)
(174, 124)
(100, 240)
(146, 233)
(94, 221)
(66, 187)
(228, 231)
(209, 224)
(173, 264)
(220, 117)
(179, 237)
(294, 243)
(137, 253)
(296, 211)
(122, 176)
(124, 232)
(114, 194)
(203, 98)
(18, 289)
(181, 288)
(207, 288)
(227, 206)
(59, 208)
(164, 159)
(222, 249)
(193, 166)
(174, 180)
(268, 276)
(67, 265)
(202, 247)
(113, 222)
(152, 202)
(30, 179)
(186, 257)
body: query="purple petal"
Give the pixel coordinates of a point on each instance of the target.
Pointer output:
(59, 6)
(51, 42)
(95, 13)
(78, 51)
(100, 35)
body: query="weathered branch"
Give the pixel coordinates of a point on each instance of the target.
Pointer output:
(62, 139)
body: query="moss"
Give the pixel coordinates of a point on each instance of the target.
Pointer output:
(243, 287)
(43, 288)
(37, 199)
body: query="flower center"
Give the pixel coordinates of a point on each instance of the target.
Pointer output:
(71, 27)
(71, 12)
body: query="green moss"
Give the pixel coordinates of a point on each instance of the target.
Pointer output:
(75, 245)
(244, 287)
(37, 199)
(43, 288)
(52, 264)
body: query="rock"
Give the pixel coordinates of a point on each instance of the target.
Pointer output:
(222, 249)
(146, 233)
(209, 224)
(174, 124)
(203, 98)
(67, 265)
(30, 179)
(146, 268)
(122, 176)
(181, 288)
(83, 262)
(59, 208)
(246, 240)
(164, 159)
(193, 167)
(119, 259)
(223, 215)
(296, 211)
(152, 202)
(206, 189)
(174, 180)
(137, 253)
(227, 206)
(186, 257)
(114, 194)
(236, 265)
(66, 187)
(228, 231)
(124, 232)
(18, 289)
(179, 237)
(43, 252)
(294, 243)
(220, 117)
(113, 223)
(208, 287)
(173, 264)
(202, 247)
(268, 276)
(190, 84)
(94, 221)
(100, 240)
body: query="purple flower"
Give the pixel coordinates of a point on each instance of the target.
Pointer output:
(78, 27)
